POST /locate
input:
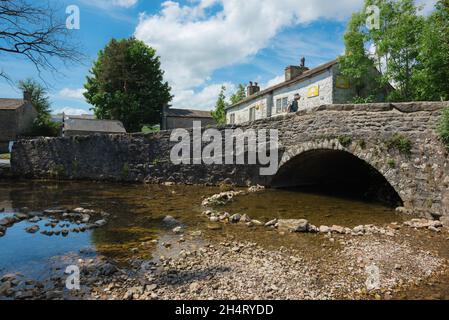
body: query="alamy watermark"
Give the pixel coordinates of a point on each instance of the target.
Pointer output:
(73, 20)
(72, 281)
(373, 17)
(236, 147)
(373, 277)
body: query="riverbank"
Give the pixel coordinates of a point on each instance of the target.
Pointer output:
(244, 270)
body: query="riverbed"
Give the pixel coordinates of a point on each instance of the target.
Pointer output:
(154, 242)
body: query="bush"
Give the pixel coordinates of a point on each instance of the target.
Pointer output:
(45, 128)
(443, 127)
(400, 143)
(345, 141)
(392, 164)
(360, 100)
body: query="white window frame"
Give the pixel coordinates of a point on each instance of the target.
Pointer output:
(284, 104)
(232, 118)
(278, 105)
(252, 114)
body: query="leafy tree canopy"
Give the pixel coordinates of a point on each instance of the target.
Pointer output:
(393, 48)
(42, 126)
(126, 83)
(239, 95)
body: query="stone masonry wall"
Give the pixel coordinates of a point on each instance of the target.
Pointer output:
(421, 177)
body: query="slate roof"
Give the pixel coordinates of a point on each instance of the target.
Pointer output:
(305, 75)
(187, 113)
(11, 104)
(90, 125)
(58, 117)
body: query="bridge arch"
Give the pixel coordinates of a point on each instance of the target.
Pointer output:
(329, 166)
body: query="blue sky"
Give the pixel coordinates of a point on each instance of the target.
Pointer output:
(203, 44)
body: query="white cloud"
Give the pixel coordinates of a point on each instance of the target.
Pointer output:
(124, 3)
(72, 111)
(193, 45)
(115, 3)
(274, 81)
(72, 93)
(202, 100)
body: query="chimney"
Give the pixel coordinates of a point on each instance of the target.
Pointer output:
(27, 96)
(292, 72)
(252, 89)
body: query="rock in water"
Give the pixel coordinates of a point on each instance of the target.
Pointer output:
(338, 229)
(293, 225)
(220, 198)
(170, 220)
(271, 223)
(235, 218)
(35, 219)
(32, 229)
(177, 230)
(101, 222)
(7, 222)
(214, 219)
(54, 211)
(21, 216)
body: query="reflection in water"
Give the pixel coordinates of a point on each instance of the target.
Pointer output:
(136, 214)
(318, 209)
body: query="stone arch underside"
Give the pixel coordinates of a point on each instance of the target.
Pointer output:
(336, 170)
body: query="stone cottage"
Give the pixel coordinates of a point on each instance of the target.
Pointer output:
(183, 118)
(16, 119)
(321, 85)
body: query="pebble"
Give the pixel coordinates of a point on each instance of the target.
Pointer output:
(214, 219)
(235, 218)
(177, 230)
(169, 220)
(271, 223)
(101, 222)
(21, 216)
(32, 229)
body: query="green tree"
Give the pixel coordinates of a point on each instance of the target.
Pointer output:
(126, 83)
(219, 113)
(239, 95)
(433, 74)
(392, 48)
(355, 64)
(42, 126)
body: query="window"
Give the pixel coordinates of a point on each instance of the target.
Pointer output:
(278, 105)
(284, 104)
(232, 118)
(281, 105)
(252, 114)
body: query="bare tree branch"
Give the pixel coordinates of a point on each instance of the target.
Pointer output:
(36, 33)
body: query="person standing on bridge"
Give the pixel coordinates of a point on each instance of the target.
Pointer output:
(293, 107)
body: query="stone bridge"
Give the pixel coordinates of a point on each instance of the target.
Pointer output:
(389, 151)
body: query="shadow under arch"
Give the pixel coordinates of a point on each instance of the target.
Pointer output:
(335, 172)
